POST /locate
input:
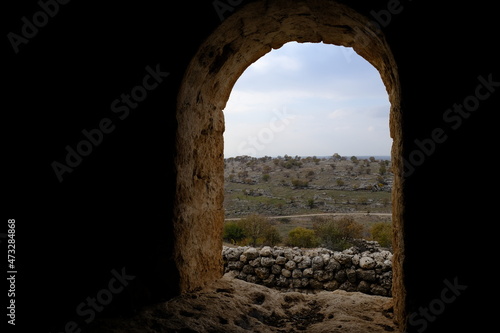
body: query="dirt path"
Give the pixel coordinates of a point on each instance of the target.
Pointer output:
(319, 214)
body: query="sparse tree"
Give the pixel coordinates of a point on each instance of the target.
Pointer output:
(255, 227)
(337, 234)
(272, 236)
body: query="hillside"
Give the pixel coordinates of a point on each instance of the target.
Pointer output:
(288, 186)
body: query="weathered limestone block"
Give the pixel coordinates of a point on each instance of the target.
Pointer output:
(332, 265)
(366, 275)
(247, 269)
(266, 251)
(281, 260)
(364, 287)
(351, 275)
(297, 273)
(235, 265)
(367, 263)
(317, 263)
(331, 285)
(262, 272)
(276, 269)
(305, 263)
(290, 265)
(286, 273)
(267, 261)
(342, 258)
(341, 276)
(251, 253)
(255, 262)
(308, 272)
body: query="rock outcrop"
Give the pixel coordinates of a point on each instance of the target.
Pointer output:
(234, 306)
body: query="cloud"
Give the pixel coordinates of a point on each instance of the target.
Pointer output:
(339, 106)
(338, 114)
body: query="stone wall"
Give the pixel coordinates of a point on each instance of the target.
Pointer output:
(367, 270)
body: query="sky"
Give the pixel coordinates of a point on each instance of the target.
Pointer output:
(309, 99)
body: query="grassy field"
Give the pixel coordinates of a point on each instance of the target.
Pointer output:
(292, 192)
(269, 186)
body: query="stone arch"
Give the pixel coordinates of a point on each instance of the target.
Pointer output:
(240, 40)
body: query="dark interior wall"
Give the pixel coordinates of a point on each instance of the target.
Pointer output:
(441, 52)
(114, 210)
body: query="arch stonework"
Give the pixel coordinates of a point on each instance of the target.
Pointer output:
(244, 37)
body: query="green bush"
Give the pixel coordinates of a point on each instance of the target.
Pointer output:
(382, 233)
(233, 232)
(302, 237)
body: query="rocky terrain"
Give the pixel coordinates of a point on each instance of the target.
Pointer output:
(232, 305)
(297, 185)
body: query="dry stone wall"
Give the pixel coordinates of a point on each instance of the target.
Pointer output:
(367, 270)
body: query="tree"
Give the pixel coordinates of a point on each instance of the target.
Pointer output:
(272, 236)
(255, 227)
(337, 234)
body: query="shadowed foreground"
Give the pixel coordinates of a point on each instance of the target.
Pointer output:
(231, 305)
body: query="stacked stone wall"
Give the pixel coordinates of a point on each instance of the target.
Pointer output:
(367, 269)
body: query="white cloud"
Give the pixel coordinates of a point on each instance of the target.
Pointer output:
(338, 114)
(339, 106)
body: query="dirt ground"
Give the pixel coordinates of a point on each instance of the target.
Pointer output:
(231, 305)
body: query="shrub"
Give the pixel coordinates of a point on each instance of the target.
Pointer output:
(302, 237)
(310, 203)
(255, 227)
(233, 232)
(337, 234)
(300, 183)
(272, 236)
(382, 233)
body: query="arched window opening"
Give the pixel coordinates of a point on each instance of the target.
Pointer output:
(307, 161)
(239, 41)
